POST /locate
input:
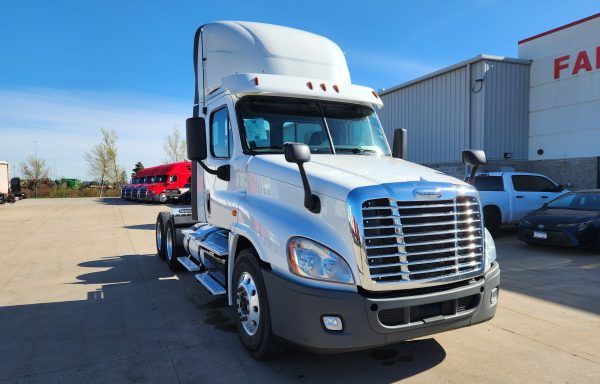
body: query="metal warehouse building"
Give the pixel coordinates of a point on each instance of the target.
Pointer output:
(538, 113)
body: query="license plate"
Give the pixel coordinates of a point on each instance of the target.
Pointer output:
(540, 235)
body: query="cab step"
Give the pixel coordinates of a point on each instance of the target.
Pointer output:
(188, 264)
(210, 283)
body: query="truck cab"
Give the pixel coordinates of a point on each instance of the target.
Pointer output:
(168, 176)
(300, 215)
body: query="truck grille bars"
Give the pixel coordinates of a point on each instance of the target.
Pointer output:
(142, 193)
(422, 240)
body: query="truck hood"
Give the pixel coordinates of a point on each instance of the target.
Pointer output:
(337, 175)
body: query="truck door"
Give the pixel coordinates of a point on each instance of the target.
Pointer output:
(218, 204)
(531, 192)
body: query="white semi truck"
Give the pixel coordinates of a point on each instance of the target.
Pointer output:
(300, 214)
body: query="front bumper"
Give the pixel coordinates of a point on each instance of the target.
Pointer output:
(296, 312)
(564, 238)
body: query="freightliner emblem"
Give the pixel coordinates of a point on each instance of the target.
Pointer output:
(427, 193)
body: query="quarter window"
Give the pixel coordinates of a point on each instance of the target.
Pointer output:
(489, 183)
(220, 134)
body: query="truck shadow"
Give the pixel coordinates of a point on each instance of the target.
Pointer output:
(144, 227)
(140, 322)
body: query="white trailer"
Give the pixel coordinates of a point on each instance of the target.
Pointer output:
(300, 214)
(4, 177)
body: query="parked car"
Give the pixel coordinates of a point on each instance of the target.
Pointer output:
(572, 219)
(508, 196)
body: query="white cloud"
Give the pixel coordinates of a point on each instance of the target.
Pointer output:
(67, 123)
(392, 68)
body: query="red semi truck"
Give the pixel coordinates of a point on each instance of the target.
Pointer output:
(168, 176)
(150, 184)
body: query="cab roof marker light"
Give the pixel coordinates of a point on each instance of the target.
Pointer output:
(375, 94)
(256, 80)
(323, 87)
(336, 88)
(310, 85)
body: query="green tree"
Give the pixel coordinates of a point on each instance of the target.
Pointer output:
(138, 167)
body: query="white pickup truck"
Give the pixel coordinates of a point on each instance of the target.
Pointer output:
(508, 196)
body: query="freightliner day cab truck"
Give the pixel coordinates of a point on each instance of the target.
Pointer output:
(300, 214)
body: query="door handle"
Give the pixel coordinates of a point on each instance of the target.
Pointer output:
(208, 203)
(519, 197)
(544, 197)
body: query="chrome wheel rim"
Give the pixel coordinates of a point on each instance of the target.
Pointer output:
(169, 245)
(158, 237)
(248, 304)
(162, 198)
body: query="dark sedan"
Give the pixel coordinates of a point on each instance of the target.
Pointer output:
(570, 220)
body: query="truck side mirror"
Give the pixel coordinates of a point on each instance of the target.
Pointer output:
(299, 154)
(195, 132)
(473, 158)
(400, 144)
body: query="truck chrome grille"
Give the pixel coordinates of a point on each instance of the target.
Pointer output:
(422, 240)
(143, 192)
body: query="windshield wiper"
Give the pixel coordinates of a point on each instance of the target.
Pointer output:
(356, 151)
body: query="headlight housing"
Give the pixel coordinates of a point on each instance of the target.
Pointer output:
(490, 250)
(524, 221)
(307, 258)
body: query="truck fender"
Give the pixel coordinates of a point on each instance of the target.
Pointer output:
(269, 232)
(239, 231)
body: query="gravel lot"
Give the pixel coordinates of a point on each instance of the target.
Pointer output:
(83, 299)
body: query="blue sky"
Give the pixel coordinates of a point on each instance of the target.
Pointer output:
(68, 68)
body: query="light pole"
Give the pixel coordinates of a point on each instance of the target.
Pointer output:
(35, 167)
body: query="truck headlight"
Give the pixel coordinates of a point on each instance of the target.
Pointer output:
(307, 258)
(490, 250)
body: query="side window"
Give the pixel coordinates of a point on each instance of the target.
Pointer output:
(220, 134)
(173, 178)
(529, 183)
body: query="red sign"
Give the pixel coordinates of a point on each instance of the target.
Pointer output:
(581, 62)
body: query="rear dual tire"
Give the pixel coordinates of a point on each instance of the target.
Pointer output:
(173, 248)
(161, 224)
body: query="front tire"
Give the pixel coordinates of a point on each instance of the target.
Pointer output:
(162, 198)
(251, 308)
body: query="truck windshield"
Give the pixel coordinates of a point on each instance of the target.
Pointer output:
(270, 122)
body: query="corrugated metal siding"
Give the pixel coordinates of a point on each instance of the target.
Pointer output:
(506, 110)
(443, 116)
(436, 114)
